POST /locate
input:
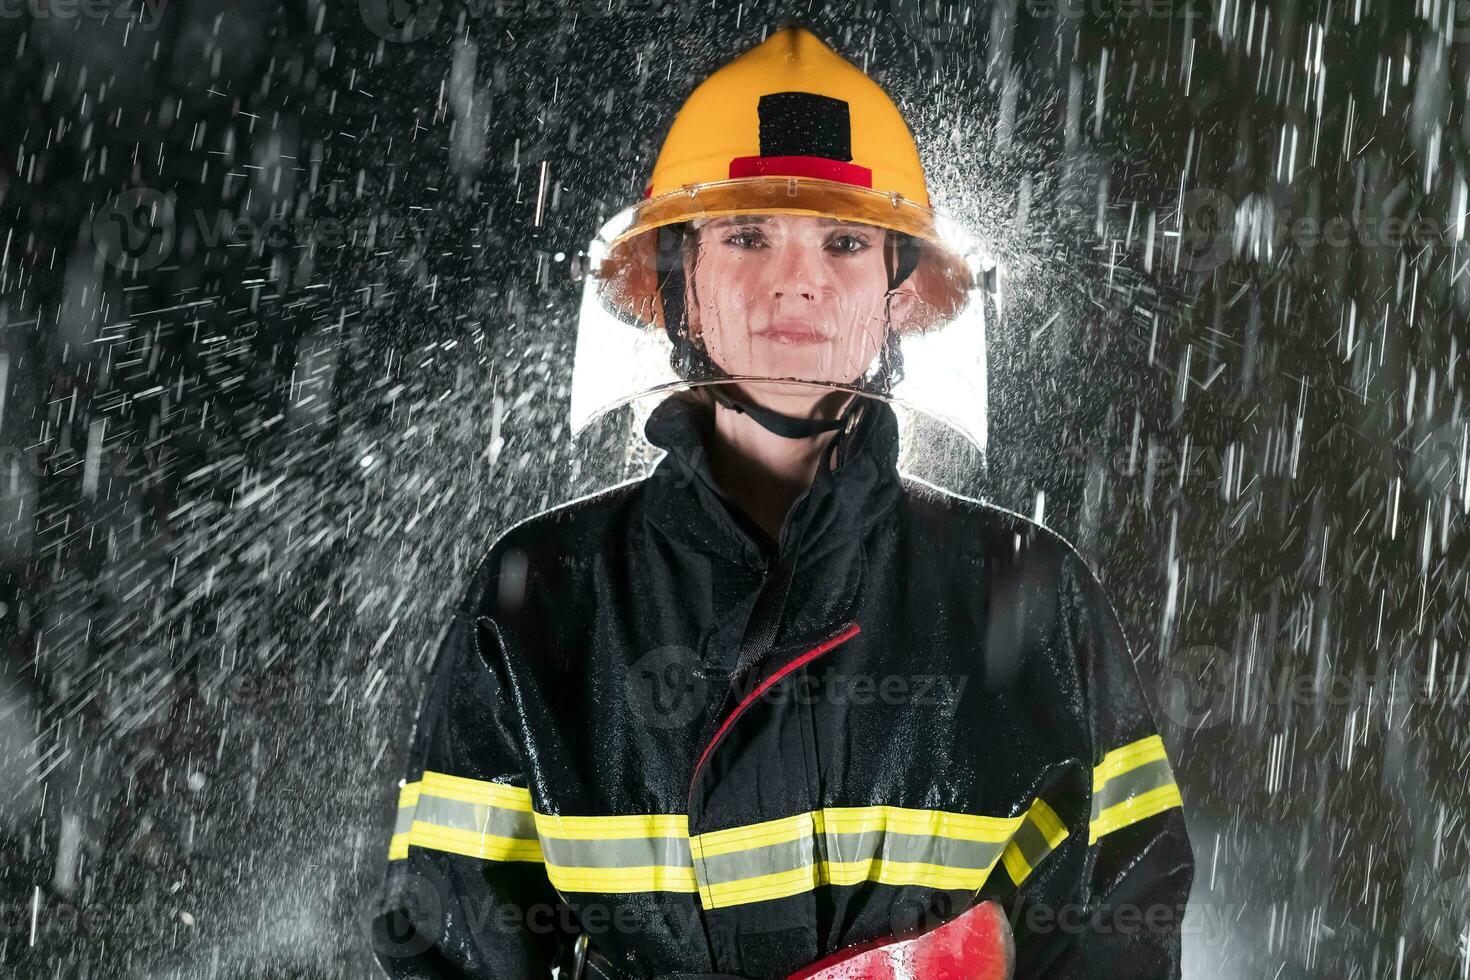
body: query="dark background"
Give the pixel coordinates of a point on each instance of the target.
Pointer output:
(245, 469)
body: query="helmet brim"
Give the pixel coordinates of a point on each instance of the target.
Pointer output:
(624, 256)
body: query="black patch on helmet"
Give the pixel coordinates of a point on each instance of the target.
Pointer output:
(804, 124)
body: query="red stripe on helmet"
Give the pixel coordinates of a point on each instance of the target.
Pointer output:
(822, 168)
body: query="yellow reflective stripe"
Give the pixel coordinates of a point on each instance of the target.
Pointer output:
(924, 823)
(859, 820)
(408, 798)
(465, 790)
(761, 889)
(1044, 820)
(525, 835)
(904, 873)
(464, 816)
(1131, 784)
(756, 835)
(783, 884)
(885, 833)
(621, 880)
(1015, 865)
(613, 828)
(1130, 756)
(639, 853)
(617, 854)
(1048, 823)
(1133, 810)
(472, 843)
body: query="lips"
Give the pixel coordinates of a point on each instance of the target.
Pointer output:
(792, 332)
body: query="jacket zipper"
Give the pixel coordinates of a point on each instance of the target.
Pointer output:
(852, 629)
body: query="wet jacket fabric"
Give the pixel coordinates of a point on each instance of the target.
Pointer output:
(718, 755)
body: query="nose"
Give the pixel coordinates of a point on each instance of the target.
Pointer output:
(797, 272)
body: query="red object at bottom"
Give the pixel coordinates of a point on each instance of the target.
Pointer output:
(976, 946)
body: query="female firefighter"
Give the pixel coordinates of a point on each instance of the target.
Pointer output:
(776, 701)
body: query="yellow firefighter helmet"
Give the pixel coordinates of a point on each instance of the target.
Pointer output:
(788, 128)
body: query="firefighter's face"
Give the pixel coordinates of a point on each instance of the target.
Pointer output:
(789, 296)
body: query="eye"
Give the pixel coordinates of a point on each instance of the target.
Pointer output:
(848, 243)
(746, 238)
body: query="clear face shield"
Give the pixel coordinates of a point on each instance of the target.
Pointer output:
(787, 290)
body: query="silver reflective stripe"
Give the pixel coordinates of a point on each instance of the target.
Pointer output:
(1134, 782)
(457, 815)
(913, 848)
(786, 856)
(1032, 843)
(632, 852)
(805, 851)
(650, 853)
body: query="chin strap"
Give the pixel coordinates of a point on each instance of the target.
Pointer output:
(900, 257)
(786, 426)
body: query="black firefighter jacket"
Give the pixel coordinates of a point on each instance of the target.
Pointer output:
(630, 732)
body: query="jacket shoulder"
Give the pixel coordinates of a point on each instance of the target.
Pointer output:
(943, 517)
(573, 524)
(1014, 548)
(553, 545)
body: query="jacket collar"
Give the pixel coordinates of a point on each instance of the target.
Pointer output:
(687, 504)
